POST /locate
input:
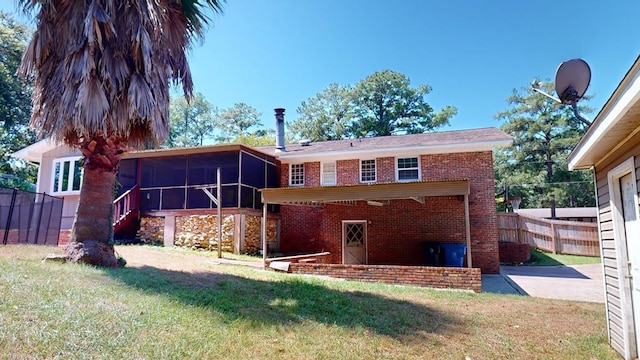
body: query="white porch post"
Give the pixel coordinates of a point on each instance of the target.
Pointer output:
(219, 212)
(468, 228)
(264, 235)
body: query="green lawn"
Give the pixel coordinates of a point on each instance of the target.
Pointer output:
(173, 305)
(540, 258)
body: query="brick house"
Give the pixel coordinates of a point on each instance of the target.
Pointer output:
(379, 200)
(375, 201)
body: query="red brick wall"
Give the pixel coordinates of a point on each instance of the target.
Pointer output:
(345, 173)
(436, 277)
(514, 253)
(395, 231)
(477, 167)
(386, 169)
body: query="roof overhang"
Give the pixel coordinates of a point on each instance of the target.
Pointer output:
(393, 152)
(178, 151)
(34, 152)
(363, 192)
(618, 121)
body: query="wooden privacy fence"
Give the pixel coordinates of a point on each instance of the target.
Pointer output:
(556, 236)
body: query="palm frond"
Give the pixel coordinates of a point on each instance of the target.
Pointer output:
(104, 66)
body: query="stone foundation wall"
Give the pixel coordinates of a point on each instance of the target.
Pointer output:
(201, 232)
(151, 230)
(253, 231)
(240, 232)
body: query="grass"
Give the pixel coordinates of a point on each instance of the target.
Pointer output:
(174, 305)
(540, 258)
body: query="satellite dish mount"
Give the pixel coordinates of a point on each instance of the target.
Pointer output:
(571, 82)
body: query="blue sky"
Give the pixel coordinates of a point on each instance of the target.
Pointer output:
(473, 53)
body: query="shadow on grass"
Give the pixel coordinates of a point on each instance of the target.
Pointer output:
(289, 302)
(539, 258)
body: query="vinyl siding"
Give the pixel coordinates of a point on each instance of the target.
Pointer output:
(607, 241)
(44, 183)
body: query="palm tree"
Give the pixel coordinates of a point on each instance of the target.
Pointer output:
(101, 70)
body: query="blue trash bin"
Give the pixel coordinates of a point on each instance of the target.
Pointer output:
(454, 254)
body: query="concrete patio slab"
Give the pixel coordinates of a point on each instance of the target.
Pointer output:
(577, 282)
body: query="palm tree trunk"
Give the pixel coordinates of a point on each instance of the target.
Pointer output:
(92, 232)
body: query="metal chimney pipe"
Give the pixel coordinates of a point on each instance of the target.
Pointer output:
(280, 129)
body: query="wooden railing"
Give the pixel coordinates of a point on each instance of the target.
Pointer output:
(556, 236)
(125, 206)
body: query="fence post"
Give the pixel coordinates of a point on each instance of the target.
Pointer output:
(553, 238)
(10, 216)
(520, 230)
(35, 241)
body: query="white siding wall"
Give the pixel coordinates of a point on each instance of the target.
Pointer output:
(610, 261)
(44, 182)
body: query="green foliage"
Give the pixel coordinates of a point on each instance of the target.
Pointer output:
(15, 105)
(324, 116)
(238, 121)
(535, 168)
(384, 103)
(256, 140)
(191, 122)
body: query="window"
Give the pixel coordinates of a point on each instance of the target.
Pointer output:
(407, 169)
(67, 176)
(296, 175)
(328, 173)
(368, 170)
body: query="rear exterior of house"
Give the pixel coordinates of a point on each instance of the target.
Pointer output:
(378, 201)
(387, 200)
(611, 148)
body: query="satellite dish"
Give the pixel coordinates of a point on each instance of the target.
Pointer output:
(572, 80)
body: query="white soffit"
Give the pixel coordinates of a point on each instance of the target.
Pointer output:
(34, 152)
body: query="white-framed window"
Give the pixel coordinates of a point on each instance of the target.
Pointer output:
(328, 173)
(66, 176)
(296, 175)
(407, 169)
(368, 170)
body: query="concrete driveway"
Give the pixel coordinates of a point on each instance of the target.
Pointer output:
(577, 282)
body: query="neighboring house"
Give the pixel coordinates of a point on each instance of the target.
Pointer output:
(377, 201)
(611, 148)
(582, 214)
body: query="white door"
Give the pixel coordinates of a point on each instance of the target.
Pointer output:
(632, 235)
(354, 242)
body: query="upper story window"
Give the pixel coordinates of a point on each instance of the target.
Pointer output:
(67, 176)
(368, 170)
(296, 175)
(407, 169)
(328, 171)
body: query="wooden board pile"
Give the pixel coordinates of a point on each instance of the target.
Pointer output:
(201, 232)
(151, 230)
